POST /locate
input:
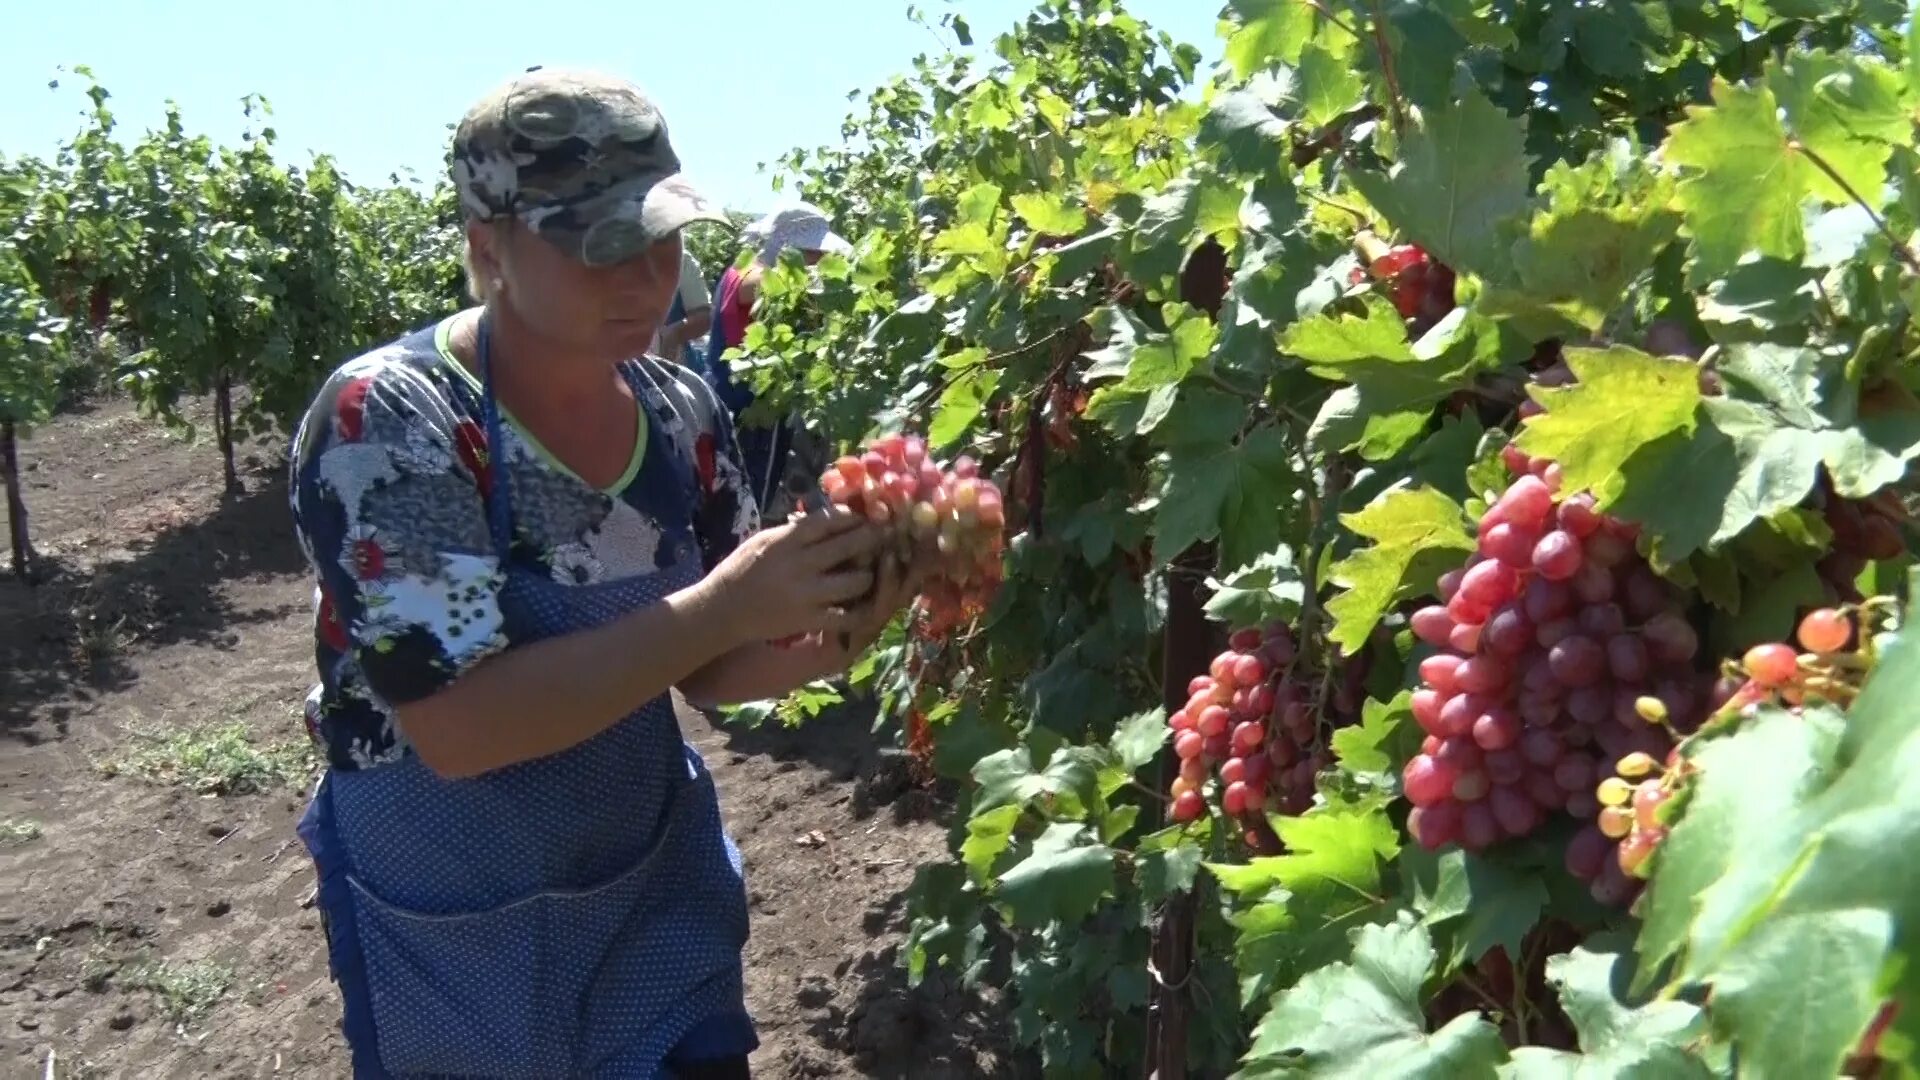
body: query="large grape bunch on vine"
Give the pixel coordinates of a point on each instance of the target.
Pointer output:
(1457, 472)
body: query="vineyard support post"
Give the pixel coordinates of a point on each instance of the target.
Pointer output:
(16, 506)
(223, 428)
(1186, 647)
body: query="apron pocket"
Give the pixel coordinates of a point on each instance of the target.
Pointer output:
(504, 992)
(457, 993)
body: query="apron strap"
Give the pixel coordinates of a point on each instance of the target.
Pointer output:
(500, 495)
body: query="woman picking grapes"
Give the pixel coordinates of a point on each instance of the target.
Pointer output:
(525, 533)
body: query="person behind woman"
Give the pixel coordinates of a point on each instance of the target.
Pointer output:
(525, 534)
(802, 227)
(690, 319)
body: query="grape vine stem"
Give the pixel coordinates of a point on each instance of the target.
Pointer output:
(1900, 249)
(1378, 24)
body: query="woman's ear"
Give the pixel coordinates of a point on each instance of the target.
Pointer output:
(486, 258)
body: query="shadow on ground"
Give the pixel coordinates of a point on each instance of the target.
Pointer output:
(75, 630)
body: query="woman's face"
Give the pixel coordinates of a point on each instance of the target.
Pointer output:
(606, 311)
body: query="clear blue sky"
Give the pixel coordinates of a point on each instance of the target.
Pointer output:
(375, 84)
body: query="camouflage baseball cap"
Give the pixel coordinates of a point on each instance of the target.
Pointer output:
(582, 158)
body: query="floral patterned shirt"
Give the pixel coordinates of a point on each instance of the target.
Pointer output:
(388, 484)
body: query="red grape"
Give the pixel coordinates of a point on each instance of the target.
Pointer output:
(1576, 660)
(1248, 736)
(1465, 638)
(1487, 586)
(1670, 640)
(1505, 766)
(1637, 848)
(1425, 781)
(1586, 853)
(1248, 671)
(1481, 675)
(1514, 810)
(1213, 721)
(1590, 705)
(1432, 624)
(1188, 743)
(1497, 728)
(1436, 825)
(1627, 658)
(1508, 632)
(1825, 631)
(1772, 665)
(1188, 806)
(1509, 544)
(1601, 620)
(1606, 549)
(1557, 556)
(1528, 503)
(1647, 800)
(1426, 709)
(1234, 800)
(1457, 715)
(1478, 829)
(1440, 670)
(1574, 773)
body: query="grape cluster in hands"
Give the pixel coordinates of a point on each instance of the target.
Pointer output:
(954, 513)
(1549, 639)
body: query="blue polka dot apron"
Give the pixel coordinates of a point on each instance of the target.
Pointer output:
(580, 915)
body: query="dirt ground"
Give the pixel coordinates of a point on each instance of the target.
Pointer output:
(150, 930)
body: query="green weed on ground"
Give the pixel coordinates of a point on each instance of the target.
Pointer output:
(217, 759)
(187, 992)
(16, 831)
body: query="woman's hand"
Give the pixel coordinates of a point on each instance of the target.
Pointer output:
(796, 578)
(895, 587)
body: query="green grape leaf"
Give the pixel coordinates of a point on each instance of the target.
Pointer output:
(1331, 83)
(988, 836)
(1618, 1041)
(1049, 212)
(1008, 778)
(1474, 901)
(1460, 188)
(1363, 1019)
(1264, 590)
(1415, 534)
(1811, 894)
(1169, 871)
(1742, 186)
(1603, 224)
(1624, 399)
(1335, 859)
(1747, 782)
(1848, 111)
(1382, 742)
(1757, 452)
(1064, 878)
(961, 404)
(1266, 32)
(1327, 342)
(1234, 492)
(1249, 133)
(1138, 739)
(1799, 990)
(1395, 384)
